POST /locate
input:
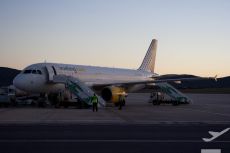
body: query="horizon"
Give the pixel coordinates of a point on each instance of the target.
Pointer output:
(192, 35)
(124, 68)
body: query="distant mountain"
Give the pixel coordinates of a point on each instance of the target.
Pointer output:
(176, 76)
(198, 84)
(7, 75)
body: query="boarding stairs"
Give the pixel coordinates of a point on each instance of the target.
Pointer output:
(173, 93)
(78, 88)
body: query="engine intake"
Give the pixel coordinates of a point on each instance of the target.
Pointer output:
(112, 93)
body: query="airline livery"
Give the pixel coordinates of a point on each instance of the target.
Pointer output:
(41, 77)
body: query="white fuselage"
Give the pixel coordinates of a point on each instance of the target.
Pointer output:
(36, 78)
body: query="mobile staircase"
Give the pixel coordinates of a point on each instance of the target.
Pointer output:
(176, 97)
(78, 88)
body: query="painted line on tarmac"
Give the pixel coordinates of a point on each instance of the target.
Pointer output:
(105, 140)
(110, 122)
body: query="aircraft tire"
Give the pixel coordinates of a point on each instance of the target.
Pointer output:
(155, 102)
(175, 103)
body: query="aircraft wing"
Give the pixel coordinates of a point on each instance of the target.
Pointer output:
(154, 80)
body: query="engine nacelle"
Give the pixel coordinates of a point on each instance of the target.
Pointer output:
(112, 93)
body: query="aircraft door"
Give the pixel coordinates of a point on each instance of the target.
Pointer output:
(51, 71)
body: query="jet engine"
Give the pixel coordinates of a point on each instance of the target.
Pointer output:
(112, 93)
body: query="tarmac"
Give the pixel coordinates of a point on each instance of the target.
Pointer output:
(138, 128)
(205, 108)
(111, 138)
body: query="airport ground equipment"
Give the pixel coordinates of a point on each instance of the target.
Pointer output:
(7, 96)
(169, 94)
(78, 88)
(5, 100)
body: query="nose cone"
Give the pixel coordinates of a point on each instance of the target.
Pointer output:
(19, 82)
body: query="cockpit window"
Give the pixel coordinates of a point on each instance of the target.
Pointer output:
(39, 72)
(27, 71)
(33, 71)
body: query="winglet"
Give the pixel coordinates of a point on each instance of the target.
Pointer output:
(214, 78)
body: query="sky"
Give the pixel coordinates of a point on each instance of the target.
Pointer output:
(193, 35)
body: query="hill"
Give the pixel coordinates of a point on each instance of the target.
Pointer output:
(198, 84)
(7, 75)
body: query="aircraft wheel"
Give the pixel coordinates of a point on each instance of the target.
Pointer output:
(155, 102)
(41, 104)
(175, 103)
(158, 102)
(66, 105)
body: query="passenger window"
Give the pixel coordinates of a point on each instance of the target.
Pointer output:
(39, 72)
(34, 72)
(27, 71)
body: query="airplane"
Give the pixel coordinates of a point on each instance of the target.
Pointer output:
(215, 135)
(40, 77)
